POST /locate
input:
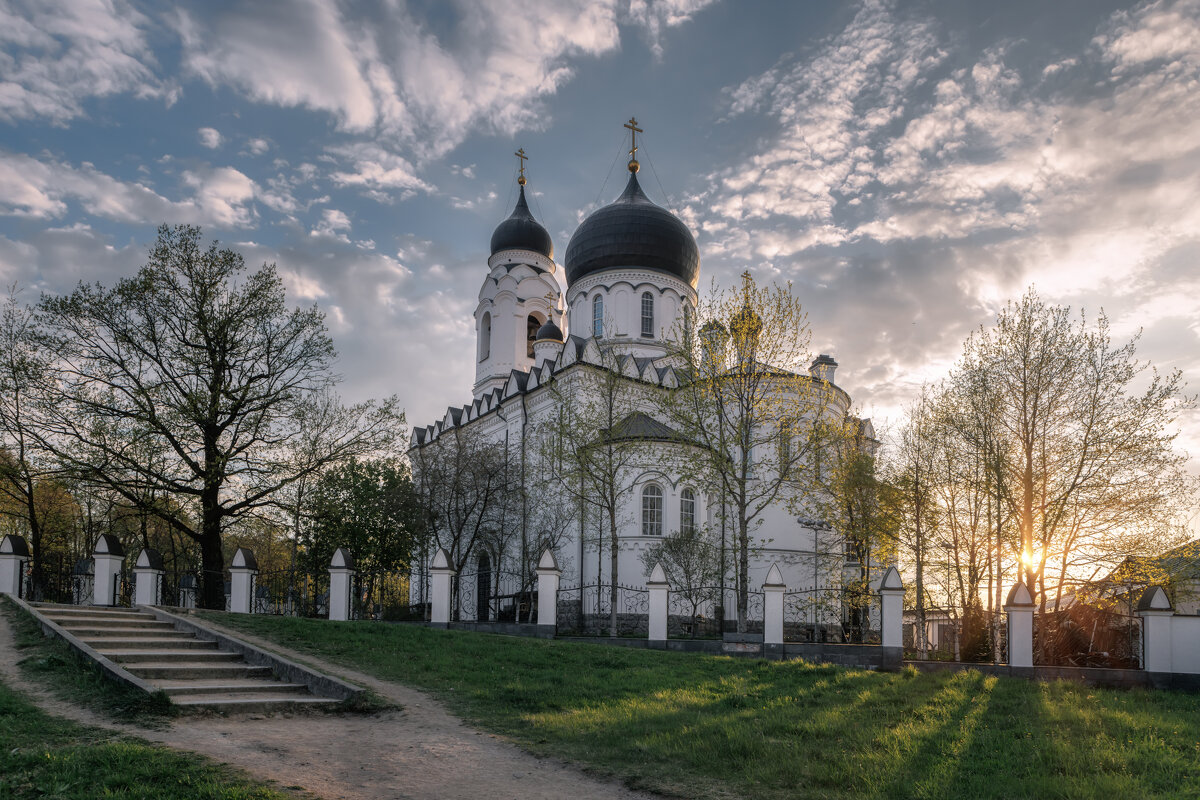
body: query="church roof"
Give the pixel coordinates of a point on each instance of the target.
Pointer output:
(522, 232)
(633, 232)
(643, 426)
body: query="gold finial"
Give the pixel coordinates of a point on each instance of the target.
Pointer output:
(521, 155)
(634, 130)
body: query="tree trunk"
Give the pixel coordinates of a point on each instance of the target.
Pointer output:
(743, 569)
(612, 596)
(212, 576)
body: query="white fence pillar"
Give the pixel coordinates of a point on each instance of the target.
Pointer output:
(341, 583)
(14, 552)
(441, 574)
(891, 609)
(549, 576)
(773, 589)
(242, 573)
(148, 574)
(1155, 610)
(1019, 606)
(108, 557)
(658, 588)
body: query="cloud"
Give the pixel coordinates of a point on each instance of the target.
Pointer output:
(55, 54)
(220, 196)
(919, 185)
(332, 223)
(412, 86)
(210, 138)
(257, 147)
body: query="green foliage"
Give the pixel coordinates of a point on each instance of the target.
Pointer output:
(369, 507)
(716, 727)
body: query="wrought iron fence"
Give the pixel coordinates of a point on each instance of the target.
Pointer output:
(495, 596)
(812, 615)
(291, 593)
(1088, 636)
(587, 610)
(694, 613)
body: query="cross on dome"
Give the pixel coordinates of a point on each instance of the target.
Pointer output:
(634, 130)
(523, 158)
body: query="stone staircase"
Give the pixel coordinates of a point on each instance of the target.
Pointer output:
(194, 672)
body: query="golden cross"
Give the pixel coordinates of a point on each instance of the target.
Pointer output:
(521, 155)
(634, 130)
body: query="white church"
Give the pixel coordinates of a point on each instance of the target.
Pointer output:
(627, 282)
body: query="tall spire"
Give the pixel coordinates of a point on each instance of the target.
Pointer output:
(634, 130)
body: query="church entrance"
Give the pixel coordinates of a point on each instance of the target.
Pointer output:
(483, 588)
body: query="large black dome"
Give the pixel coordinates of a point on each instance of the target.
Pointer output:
(633, 232)
(522, 232)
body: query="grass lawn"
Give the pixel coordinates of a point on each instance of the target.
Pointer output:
(43, 756)
(706, 726)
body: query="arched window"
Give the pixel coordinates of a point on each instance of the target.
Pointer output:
(647, 314)
(485, 336)
(652, 510)
(532, 324)
(687, 511)
(598, 316)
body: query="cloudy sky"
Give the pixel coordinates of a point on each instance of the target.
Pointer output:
(909, 166)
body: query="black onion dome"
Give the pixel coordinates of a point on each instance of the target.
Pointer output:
(549, 331)
(522, 232)
(633, 232)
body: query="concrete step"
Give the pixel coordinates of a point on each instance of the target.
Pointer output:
(82, 632)
(195, 672)
(250, 703)
(172, 656)
(137, 623)
(176, 642)
(50, 608)
(232, 687)
(105, 617)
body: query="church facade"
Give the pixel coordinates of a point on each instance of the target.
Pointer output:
(607, 318)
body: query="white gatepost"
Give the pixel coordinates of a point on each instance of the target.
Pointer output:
(341, 582)
(549, 576)
(1156, 612)
(1019, 607)
(14, 552)
(773, 589)
(148, 574)
(241, 581)
(658, 587)
(441, 574)
(891, 609)
(108, 558)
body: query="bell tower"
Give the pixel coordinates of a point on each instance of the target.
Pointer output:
(520, 294)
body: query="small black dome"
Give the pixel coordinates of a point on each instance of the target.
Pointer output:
(549, 331)
(522, 232)
(633, 232)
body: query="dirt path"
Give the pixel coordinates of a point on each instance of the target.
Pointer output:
(418, 752)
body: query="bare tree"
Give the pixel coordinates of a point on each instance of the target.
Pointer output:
(745, 400)
(196, 357)
(1087, 433)
(590, 450)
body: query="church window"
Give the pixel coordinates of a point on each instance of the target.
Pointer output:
(647, 314)
(652, 510)
(598, 316)
(485, 336)
(532, 324)
(687, 511)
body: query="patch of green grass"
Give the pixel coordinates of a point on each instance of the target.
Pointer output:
(43, 756)
(715, 727)
(70, 677)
